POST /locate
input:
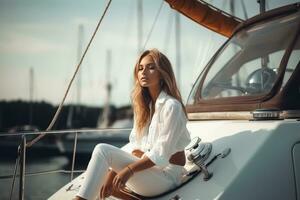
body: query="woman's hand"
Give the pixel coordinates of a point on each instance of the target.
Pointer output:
(121, 178)
(138, 153)
(107, 189)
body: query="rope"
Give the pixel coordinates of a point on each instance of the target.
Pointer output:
(29, 144)
(153, 24)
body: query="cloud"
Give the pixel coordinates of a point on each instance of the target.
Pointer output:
(27, 44)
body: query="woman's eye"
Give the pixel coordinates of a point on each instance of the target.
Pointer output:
(152, 66)
(140, 68)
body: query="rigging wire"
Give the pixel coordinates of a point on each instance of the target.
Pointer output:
(14, 177)
(153, 24)
(29, 144)
(223, 5)
(168, 30)
(244, 9)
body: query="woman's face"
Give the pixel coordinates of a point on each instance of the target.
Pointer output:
(148, 74)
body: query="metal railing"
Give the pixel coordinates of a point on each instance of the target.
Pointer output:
(22, 149)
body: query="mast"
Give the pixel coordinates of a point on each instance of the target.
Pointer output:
(79, 52)
(31, 85)
(232, 7)
(108, 86)
(140, 25)
(104, 119)
(72, 108)
(264, 59)
(232, 12)
(262, 5)
(178, 47)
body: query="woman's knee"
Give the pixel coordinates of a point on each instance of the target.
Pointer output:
(101, 149)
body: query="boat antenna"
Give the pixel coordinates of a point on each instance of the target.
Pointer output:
(29, 144)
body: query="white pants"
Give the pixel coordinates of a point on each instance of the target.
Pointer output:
(149, 182)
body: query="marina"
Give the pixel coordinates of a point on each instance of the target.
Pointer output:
(51, 165)
(243, 115)
(37, 187)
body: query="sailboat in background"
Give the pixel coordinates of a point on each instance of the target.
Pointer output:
(9, 144)
(89, 139)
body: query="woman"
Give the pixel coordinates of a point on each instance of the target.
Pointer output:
(154, 163)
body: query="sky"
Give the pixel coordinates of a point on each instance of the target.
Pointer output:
(43, 36)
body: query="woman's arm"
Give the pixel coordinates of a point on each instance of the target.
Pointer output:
(138, 153)
(140, 165)
(122, 177)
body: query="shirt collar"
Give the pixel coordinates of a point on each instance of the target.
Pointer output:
(161, 97)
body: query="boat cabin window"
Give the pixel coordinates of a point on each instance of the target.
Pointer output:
(293, 61)
(248, 64)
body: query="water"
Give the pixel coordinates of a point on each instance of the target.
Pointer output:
(41, 186)
(45, 156)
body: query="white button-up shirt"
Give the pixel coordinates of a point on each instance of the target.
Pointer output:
(166, 134)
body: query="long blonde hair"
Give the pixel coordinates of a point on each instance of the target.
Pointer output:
(141, 97)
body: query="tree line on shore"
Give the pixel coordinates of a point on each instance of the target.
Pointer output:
(17, 114)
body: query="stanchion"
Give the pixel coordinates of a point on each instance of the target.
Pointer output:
(22, 150)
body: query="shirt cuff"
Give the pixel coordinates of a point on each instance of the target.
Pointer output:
(157, 159)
